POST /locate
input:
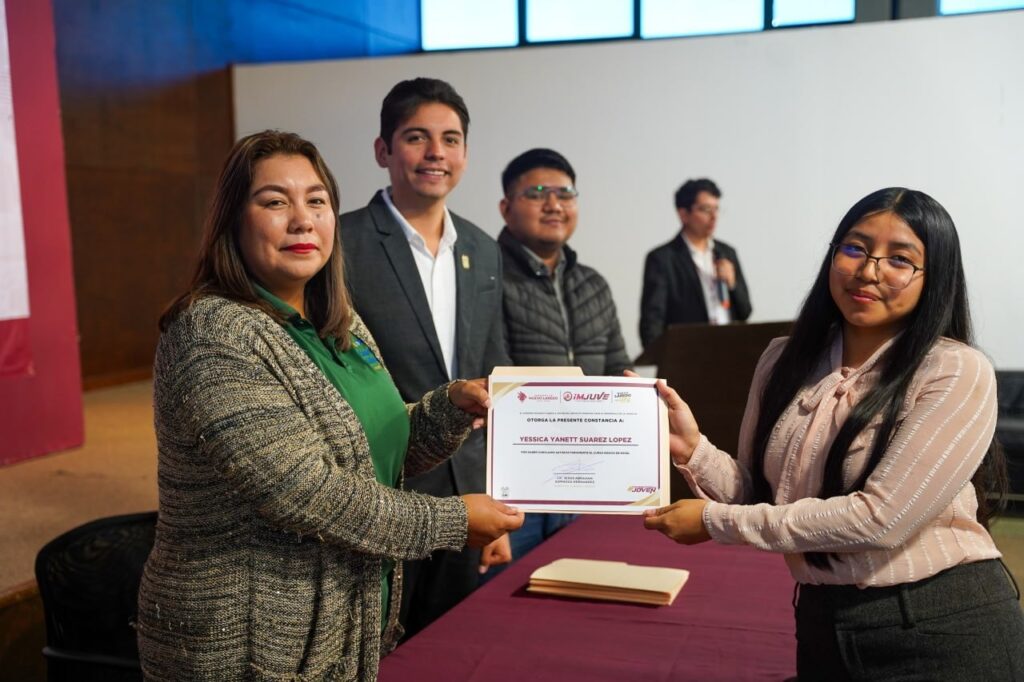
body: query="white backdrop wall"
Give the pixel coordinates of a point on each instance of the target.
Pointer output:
(793, 125)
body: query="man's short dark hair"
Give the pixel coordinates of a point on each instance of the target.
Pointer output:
(407, 96)
(534, 158)
(687, 194)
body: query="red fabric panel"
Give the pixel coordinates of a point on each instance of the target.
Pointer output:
(15, 350)
(41, 412)
(733, 620)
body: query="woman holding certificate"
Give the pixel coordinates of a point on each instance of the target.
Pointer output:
(282, 444)
(866, 452)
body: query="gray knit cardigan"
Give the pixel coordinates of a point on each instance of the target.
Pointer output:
(272, 525)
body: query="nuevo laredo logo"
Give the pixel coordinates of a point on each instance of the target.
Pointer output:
(543, 397)
(570, 396)
(641, 489)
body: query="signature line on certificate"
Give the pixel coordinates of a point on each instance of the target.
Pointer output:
(577, 467)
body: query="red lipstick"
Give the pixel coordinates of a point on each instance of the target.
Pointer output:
(301, 248)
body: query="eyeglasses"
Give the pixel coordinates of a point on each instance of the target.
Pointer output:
(895, 272)
(542, 192)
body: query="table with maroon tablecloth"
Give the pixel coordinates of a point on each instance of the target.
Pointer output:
(733, 620)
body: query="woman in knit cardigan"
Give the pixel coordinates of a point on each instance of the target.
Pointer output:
(863, 432)
(282, 446)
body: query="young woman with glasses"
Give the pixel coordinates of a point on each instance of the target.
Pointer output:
(867, 458)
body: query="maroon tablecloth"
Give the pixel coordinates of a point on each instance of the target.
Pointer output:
(731, 621)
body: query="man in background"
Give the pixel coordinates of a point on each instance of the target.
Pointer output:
(557, 311)
(694, 277)
(427, 283)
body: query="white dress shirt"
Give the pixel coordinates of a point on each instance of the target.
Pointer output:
(705, 262)
(437, 273)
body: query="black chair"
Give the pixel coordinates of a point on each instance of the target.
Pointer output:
(89, 584)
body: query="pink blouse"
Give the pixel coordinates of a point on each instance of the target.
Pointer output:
(916, 513)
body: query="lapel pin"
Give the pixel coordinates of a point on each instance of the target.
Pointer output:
(465, 262)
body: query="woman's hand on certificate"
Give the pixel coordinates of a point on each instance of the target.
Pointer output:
(683, 433)
(489, 519)
(470, 395)
(683, 521)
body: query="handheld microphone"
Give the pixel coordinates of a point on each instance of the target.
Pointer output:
(721, 288)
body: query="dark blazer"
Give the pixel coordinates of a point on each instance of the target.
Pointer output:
(672, 293)
(388, 294)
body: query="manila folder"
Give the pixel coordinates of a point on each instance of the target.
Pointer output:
(611, 580)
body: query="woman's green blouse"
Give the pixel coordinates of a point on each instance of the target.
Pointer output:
(362, 382)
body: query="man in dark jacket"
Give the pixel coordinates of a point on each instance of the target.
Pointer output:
(694, 277)
(557, 311)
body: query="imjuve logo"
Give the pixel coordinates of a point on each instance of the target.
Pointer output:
(521, 396)
(570, 396)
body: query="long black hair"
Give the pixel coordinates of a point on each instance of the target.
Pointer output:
(942, 310)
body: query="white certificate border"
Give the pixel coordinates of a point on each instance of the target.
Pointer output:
(659, 498)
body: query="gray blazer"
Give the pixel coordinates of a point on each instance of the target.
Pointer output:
(388, 294)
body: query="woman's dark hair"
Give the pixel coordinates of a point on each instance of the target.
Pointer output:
(942, 310)
(221, 270)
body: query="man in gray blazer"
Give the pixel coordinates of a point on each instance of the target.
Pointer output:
(427, 283)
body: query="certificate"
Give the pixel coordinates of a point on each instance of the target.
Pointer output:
(576, 444)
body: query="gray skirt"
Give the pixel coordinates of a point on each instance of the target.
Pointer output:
(964, 623)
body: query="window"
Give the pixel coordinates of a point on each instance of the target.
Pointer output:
(548, 20)
(801, 12)
(462, 24)
(664, 18)
(968, 6)
(457, 24)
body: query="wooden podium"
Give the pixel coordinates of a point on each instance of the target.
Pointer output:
(711, 367)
